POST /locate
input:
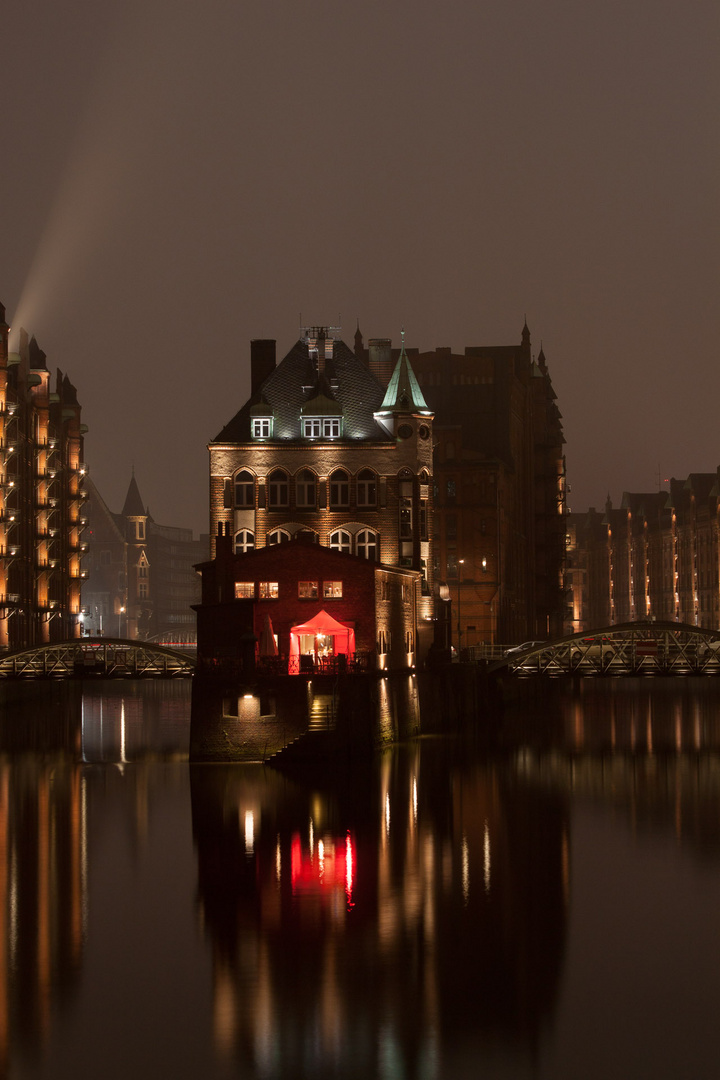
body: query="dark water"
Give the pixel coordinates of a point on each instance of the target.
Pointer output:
(548, 907)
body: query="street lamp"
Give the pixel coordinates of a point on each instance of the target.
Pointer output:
(460, 566)
(121, 612)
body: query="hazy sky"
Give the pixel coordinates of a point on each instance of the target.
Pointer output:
(179, 178)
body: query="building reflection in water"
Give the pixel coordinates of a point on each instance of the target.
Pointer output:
(384, 924)
(43, 866)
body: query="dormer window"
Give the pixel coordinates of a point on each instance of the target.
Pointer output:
(327, 427)
(261, 427)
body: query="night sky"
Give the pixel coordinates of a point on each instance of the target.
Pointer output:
(179, 178)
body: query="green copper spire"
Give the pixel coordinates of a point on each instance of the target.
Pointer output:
(403, 393)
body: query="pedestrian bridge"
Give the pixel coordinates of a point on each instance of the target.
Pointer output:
(639, 648)
(96, 657)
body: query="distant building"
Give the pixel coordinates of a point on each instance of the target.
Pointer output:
(42, 519)
(499, 479)
(655, 557)
(141, 579)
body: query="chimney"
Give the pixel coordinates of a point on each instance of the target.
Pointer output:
(380, 359)
(262, 361)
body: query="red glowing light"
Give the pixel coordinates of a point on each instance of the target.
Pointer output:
(327, 869)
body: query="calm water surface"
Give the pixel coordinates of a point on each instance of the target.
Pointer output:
(548, 907)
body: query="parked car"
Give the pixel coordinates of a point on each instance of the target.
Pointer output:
(526, 646)
(591, 647)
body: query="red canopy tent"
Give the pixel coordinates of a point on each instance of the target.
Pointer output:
(322, 623)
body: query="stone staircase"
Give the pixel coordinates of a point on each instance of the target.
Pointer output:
(322, 713)
(318, 742)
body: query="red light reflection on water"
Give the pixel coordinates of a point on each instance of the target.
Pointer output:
(328, 867)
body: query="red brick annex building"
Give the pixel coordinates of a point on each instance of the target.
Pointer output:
(298, 607)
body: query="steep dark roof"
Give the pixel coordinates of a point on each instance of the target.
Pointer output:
(133, 503)
(294, 382)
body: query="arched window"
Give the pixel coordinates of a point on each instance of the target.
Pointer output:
(278, 536)
(341, 540)
(305, 487)
(244, 541)
(278, 489)
(366, 545)
(367, 488)
(339, 488)
(244, 489)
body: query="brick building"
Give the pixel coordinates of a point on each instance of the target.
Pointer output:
(140, 576)
(656, 556)
(260, 596)
(42, 519)
(337, 448)
(499, 479)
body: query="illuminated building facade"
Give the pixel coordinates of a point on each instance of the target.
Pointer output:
(656, 556)
(336, 449)
(499, 498)
(42, 519)
(141, 579)
(285, 585)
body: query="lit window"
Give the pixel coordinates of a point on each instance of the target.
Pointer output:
(332, 590)
(278, 488)
(139, 530)
(278, 536)
(327, 428)
(261, 429)
(366, 544)
(244, 541)
(305, 489)
(341, 540)
(367, 488)
(308, 590)
(268, 590)
(244, 489)
(244, 590)
(339, 488)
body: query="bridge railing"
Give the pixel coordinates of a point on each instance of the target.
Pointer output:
(99, 657)
(631, 649)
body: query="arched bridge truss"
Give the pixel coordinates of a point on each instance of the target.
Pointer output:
(100, 657)
(656, 648)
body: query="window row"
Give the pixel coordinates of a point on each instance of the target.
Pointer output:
(365, 543)
(321, 427)
(306, 489)
(307, 590)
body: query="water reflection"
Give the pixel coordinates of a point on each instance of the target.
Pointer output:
(125, 721)
(376, 922)
(445, 911)
(43, 865)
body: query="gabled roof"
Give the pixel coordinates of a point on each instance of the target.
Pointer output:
(104, 525)
(403, 392)
(295, 382)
